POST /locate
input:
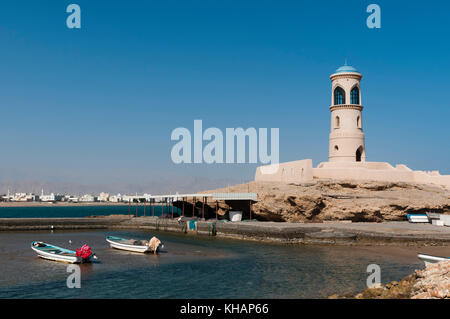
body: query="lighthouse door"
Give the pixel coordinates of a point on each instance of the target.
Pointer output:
(358, 154)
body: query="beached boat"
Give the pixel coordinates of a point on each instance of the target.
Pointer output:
(51, 252)
(439, 219)
(418, 218)
(139, 246)
(428, 259)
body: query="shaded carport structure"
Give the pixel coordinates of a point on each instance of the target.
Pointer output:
(203, 205)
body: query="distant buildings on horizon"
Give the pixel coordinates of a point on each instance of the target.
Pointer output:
(86, 198)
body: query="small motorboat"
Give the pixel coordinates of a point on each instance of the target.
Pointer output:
(51, 252)
(418, 218)
(135, 245)
(428, 259)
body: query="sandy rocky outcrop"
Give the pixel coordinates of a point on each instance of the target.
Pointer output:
(332, 200)
(431, 283)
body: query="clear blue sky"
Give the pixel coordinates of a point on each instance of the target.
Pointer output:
(97, 105)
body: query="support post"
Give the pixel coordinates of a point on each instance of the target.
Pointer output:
(216, 209)
(203, 208)
(250, 210)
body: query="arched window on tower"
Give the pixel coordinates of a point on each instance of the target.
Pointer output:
(339, 96)
(337, 122)
(359, 153)
(354, 95)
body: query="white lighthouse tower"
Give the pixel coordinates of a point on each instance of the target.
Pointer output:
(346, 136)
(347, 151)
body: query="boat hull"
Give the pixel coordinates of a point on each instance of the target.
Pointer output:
(429, 260)
(55, 253)
(128, 247)
(418, 218)
(69, 257)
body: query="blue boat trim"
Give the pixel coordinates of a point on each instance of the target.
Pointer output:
(57, 250)
(114, 238)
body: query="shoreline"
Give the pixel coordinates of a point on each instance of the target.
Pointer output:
(387, 233)
(60, 204)
(429, 283)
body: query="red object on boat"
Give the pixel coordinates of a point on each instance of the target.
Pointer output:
(84, 252)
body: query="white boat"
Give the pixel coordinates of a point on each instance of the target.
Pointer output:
(439, 219)
(418, 218)
(428, 259)
(434, 215)
(51, 252)
(445, 219)
(138, 246)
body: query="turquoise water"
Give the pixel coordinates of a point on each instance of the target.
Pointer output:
(194, 267)
(82, 211)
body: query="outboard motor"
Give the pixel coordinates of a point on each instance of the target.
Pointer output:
(84, 252)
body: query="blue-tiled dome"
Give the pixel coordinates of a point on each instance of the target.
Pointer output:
(346, 68)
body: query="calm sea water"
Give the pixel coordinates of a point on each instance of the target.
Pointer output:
(190, 267)
(194, 267)
(81, 211)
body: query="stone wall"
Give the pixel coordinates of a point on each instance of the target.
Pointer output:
(302, 171)
(289, 172)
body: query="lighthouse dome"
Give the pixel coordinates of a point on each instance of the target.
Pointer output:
(346, 68)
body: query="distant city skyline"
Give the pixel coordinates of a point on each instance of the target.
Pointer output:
(92, 110)
(165, 186)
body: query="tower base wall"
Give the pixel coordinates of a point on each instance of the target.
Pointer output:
(302, 171)
(289, 172)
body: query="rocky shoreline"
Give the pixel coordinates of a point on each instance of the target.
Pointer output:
(339, 200)
(433, 282)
